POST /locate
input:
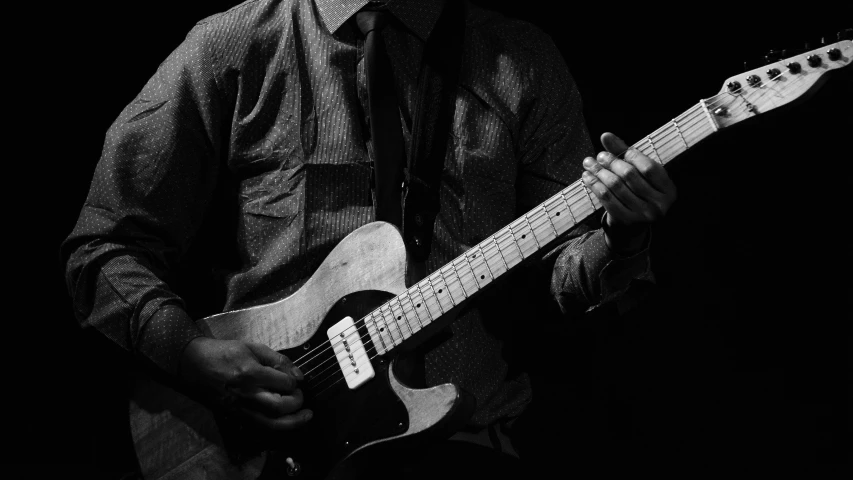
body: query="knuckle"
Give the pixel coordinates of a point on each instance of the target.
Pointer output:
(645, 168)
(635, 155)
(242, 371)
(629, 173)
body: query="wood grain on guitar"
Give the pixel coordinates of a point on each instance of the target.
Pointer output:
(364, 278)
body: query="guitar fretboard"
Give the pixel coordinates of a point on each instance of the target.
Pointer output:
(406, 314)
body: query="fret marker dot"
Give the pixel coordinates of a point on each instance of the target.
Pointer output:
(524, 236)
(482, 277)
(399, 317)
(419, 305)
(439, 290)
(382, 329)
(558, 214)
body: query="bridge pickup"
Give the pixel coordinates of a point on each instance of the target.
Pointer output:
(349, 350)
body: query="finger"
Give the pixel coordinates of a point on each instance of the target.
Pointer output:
(272, 404)
(270, 358)
(272, 379)
(637, 183)
(611, 203)
(653, 172)
(614, 184)
(613, 144)
(282, 423)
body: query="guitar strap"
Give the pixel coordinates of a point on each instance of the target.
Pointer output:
(431, 128)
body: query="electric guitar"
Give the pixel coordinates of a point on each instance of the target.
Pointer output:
(346, 326)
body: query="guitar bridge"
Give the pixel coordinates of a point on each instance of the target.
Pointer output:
(349, 350)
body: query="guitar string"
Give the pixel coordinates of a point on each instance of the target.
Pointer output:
(407, 295)
(694, 112)
(317, 381)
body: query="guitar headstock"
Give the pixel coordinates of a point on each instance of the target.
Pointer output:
(778, 83)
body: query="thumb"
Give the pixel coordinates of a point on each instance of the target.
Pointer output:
(613, 144)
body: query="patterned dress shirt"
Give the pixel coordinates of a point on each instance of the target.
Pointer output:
(270, 98)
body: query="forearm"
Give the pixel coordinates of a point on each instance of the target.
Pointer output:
(588, 272)
(116, 291)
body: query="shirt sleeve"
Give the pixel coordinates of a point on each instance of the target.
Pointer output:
(553, 142)
(157, 170)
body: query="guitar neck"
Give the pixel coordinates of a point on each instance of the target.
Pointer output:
(421, 304)
(743, 96)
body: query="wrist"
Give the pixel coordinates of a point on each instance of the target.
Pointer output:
(625, 240)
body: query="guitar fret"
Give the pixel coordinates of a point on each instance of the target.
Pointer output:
(675, 124)
(472, 271)
(378, 333)
(424, 302)
(651, 144)
(532, 233)
(414, 309)
(568, 207)
(504, 238)
(434, 294)
(548, 217)
(391, 330)
(466, 275)
(459, 279)
(537, 224)
(586, 190)
(515, 241)
(503, 259)
(401, 316)
(443, 290)
(486, 263)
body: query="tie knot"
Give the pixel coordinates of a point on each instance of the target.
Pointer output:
(370, 20)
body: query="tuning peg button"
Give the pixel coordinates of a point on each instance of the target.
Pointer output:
(833, 53)
(814, 60)
(753, 80)
(733, 86)
(794, 67)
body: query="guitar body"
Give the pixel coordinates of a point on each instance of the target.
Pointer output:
(176, 437)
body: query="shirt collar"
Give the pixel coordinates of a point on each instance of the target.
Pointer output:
(418, 16)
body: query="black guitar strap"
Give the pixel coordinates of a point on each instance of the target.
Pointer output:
(439, 77)
(431, 128)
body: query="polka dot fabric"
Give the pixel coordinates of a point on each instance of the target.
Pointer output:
(270, 96)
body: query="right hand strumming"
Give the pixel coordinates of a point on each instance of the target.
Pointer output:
(249, 379)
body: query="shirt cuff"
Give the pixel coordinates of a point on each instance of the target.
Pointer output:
(590, 275)
(620, 273)
(165, 336)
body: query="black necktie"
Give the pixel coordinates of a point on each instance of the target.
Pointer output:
(385, 127)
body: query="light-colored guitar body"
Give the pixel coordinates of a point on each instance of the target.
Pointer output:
(176, 437)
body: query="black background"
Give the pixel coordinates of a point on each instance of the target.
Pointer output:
(738, 361)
